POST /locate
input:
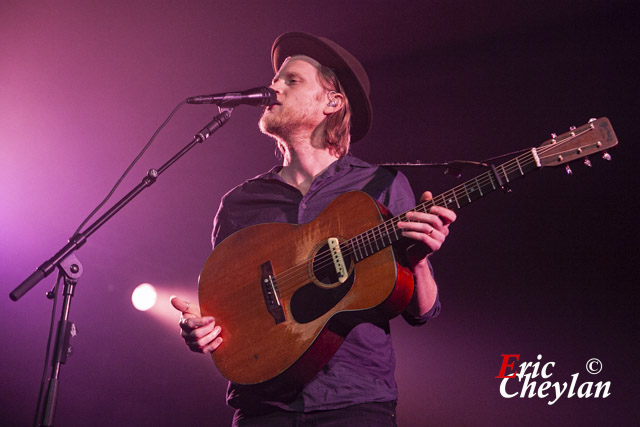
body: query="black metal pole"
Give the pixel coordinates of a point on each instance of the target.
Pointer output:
(71, 269)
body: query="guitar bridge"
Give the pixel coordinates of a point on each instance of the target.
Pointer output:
(271, 293)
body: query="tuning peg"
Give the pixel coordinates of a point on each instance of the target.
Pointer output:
(554, 135)
(587, 162)
(568, 170)
(572, 128)
(592, 119)
(606, 156)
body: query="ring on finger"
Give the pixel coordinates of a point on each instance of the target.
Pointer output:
(431, 231)
(183, 320)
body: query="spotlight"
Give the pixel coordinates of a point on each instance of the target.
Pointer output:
(144, 297)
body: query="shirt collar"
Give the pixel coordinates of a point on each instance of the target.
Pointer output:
(345, 162)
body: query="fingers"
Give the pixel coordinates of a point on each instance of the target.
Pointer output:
(447, 215)
(429, 235)
(423, 226)
(426, 196)
(185, 307)
(189, 324)
(418, 219)
(179, 304)
(430, 228)
(201, 334)
(213, 345)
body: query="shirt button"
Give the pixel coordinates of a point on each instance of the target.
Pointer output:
(303, 206)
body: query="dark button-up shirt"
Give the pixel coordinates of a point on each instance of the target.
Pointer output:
(362, 370)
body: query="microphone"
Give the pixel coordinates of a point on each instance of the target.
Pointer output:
(259, 96)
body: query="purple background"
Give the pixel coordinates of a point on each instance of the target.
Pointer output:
(548, 269)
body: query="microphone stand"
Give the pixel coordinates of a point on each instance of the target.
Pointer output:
(71, 268)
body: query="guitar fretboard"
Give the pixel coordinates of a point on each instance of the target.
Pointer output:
(379, 237)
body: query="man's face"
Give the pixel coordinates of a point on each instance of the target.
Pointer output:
(301, 100)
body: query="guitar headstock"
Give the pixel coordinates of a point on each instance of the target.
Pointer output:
(595, 136)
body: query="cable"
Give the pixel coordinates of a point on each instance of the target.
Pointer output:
(146, 147)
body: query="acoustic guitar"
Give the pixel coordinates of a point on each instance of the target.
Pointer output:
(286, 295)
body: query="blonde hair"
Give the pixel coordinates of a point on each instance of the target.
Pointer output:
(337, 135)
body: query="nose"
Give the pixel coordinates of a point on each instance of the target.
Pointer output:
(276, 85)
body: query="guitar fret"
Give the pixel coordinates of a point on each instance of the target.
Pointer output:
(386, 232)
(395, 230)
(519, 167)
(359, 240)
(353, 250)
(444, 201)
(365, 242)
(369, 241)
(479, 187)
(360, 246)
(504, 173)
(456, 199)
(460, 197)
(466, 192)
(382, 234)
(376, 237)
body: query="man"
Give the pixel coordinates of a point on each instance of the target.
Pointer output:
(323, 105)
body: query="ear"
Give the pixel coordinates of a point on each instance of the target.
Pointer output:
(335, 102)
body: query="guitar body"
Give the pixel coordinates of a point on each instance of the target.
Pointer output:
(283, 333)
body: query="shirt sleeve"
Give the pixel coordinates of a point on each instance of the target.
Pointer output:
(218, 223)
(400, 199)
(224, 224)
(421, 320)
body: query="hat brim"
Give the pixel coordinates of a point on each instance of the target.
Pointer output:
(350, 72)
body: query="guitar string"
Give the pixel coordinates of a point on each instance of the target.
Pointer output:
(371, 237)
(324, 258)
(375, 234)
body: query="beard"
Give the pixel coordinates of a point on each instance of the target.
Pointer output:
(273, 124)
(282, 122)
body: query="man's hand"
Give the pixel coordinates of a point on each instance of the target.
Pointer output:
(428, 229)
(200, 333)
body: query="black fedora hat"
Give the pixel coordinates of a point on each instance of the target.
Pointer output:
(350, 72)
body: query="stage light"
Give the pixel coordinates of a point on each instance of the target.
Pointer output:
(144, 297)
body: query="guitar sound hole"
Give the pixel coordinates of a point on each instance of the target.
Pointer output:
(313, 300)
(324, 269)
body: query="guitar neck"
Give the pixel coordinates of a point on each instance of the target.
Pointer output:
(379, 237)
